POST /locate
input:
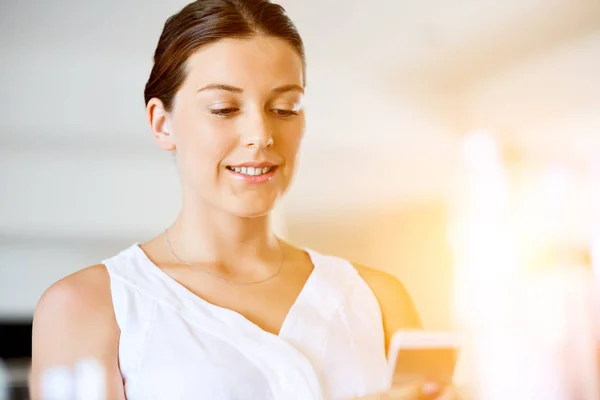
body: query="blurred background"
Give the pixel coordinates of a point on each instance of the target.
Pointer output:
(394, 89)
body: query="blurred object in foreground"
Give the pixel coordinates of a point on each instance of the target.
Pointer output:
(57, 384)
(90, 380)
(86, 380)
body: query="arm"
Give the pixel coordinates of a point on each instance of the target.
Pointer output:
(397, 308)
(398, 312)
(74, 319)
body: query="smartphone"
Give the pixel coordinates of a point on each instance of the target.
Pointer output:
(416, 356)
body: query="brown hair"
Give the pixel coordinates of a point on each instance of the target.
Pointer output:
(206, 21)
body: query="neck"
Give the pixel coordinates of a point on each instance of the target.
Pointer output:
(205, 234)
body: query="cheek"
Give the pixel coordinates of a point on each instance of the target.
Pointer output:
(290, 146)
(203, 146)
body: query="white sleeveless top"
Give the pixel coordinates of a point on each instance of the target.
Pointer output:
(175, 345)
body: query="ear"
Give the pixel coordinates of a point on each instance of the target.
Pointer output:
(160, 123)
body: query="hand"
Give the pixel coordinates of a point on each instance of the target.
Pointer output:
(414, 392)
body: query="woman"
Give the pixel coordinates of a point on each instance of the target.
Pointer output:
(218, 307)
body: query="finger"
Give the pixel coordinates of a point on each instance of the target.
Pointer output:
(448, 394)
(404, 392)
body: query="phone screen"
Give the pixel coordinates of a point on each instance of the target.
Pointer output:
(425, 364)
(418, 356)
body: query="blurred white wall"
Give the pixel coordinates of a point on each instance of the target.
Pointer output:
(392, 86)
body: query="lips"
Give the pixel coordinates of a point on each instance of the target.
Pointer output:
(251, 171)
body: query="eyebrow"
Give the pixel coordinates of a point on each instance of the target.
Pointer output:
(233, 89)
(289, 88)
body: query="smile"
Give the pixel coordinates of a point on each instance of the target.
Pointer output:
(253, 175)
(251, 171)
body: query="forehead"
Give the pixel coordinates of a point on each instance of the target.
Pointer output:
(254, 62)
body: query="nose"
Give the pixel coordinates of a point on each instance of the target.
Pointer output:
(257, 133)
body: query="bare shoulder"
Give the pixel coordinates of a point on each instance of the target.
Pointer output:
(86, 291)
(74, 319)
(397, 308)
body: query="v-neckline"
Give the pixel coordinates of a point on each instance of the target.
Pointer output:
(289, 317)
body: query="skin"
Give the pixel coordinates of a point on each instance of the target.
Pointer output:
(223, 226)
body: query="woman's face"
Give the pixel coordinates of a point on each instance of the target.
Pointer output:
(236, 124)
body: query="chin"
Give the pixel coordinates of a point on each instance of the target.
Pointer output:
(252, 210)
(253, 213)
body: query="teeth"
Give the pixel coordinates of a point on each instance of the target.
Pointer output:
(251, 171)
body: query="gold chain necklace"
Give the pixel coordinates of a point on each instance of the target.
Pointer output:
(220, 277)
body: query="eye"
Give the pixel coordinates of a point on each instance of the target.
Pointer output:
(224, 112)
(284, 113)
